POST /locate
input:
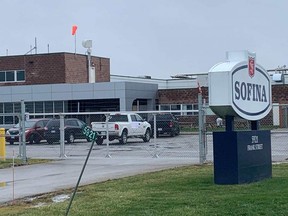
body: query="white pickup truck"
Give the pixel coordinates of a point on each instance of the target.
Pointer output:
(122, 126)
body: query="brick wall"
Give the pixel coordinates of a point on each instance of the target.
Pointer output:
(76, 68)
(55, 68)
(180, 96)
(44, 69)
(280, 94)
(102, 68)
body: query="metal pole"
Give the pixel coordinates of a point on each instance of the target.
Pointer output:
(75, 42)
(62, 137)
(20, 136)
(155, 137)
(24, 158)
(79, 179)
(200, 121)
(204, 130)
(107, 135)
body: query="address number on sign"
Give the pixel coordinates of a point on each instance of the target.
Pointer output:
(89, 133)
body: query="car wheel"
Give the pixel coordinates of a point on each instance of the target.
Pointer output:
(50, 141)
(36, 139)
(31, 139)
(147, 136)
(71, 138)
(99, 140)
(172, 133)
(124, 137)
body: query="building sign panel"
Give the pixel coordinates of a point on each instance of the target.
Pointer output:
(248, 92)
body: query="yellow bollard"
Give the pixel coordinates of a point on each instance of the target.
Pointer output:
(2, 144)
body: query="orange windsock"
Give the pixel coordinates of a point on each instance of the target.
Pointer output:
(74, 29)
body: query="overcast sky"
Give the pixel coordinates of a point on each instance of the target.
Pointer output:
(159, 38)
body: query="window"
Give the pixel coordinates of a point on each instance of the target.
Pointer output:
(176, 107)
(17, 107)
(58, 106)
(20, 76)
(39, 107)
(12, 76)
(164, 107)
(72, 123)
(48, 106)
(29, 107)
(186, 109)
(8, 107)
(133, 118)
(118, 118)
(2, 77)
(138, 118)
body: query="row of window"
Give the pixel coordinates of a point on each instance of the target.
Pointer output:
(64, 107)
(35, 107)
(186, 109)
(31, 107)
(12, 76)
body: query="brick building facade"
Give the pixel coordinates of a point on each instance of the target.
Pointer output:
(181, 96)
(190, 96)
(54, 68)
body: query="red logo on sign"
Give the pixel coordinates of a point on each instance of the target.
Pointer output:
(251, 66)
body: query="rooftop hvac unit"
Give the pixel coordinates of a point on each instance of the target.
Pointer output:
(277, 77)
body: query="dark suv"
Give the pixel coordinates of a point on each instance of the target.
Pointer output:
(166, 123)
(72, 130)
(34, 131)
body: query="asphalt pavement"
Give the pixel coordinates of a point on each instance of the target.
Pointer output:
(134, 158)
(31, 180)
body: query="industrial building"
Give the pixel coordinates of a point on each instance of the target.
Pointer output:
(68, 82)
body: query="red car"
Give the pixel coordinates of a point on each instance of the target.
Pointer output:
(34, 131)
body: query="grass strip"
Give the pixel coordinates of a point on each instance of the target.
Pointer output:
(181, 191)
(18, 162)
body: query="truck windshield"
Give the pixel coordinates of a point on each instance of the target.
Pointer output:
(118, 118)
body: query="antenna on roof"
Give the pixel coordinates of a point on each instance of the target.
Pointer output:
(34, 48)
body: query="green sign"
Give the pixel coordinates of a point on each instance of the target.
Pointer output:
(89, 133)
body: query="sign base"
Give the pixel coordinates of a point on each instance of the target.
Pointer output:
(242, 156)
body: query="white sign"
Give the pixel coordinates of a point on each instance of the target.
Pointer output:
(244, 85)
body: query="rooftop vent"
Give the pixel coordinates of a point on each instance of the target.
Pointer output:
(278, 77)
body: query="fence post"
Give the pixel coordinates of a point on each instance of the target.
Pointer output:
(62, 137)
(20, 137)
(107, 136)
(23, 135)
(202, 157)
(155, 137)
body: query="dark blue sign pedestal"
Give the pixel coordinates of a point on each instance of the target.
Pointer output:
(242, 156)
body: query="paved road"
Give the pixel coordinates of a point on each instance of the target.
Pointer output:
(134, 158)
(63, 173)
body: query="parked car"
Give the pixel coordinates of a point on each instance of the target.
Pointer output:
(166, 123)
(72, 130)
(34, 131)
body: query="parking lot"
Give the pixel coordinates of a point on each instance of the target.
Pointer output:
(182, 146)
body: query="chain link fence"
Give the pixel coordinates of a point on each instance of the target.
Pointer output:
(186, 135)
